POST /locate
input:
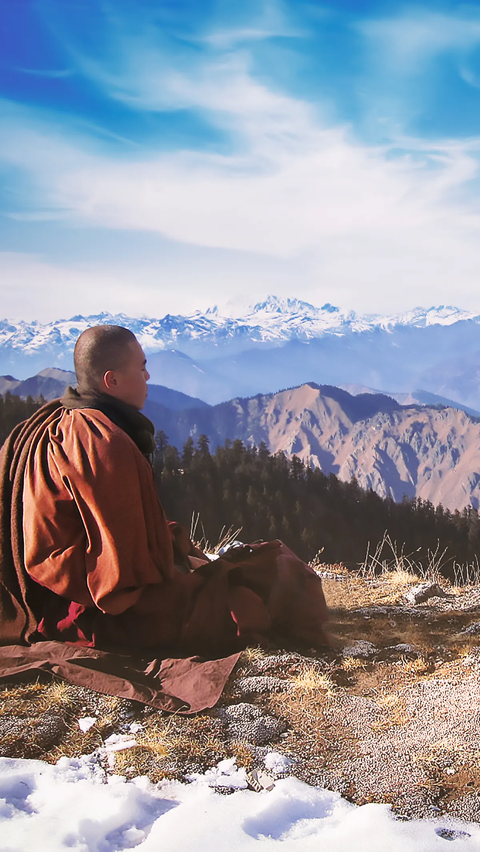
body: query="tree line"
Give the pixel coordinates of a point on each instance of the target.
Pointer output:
(13, 410)
(271, 496)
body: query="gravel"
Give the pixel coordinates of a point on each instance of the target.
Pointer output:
(249, 723)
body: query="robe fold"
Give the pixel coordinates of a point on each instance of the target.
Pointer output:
(88, 557)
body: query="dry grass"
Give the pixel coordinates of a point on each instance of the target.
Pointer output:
(350, 663)
(302, 706)
(353, 592)
(226, 536)
(40, 721)
(415, 667)
(171, 747)
(389, 562)
(388, 557)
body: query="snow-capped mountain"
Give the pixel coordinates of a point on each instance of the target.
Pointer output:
(272, 322)
(241, 350)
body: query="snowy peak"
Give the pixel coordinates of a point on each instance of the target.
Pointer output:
(227, 330)
(243, 311)
(273, 304)
(422, 317)
(275, 312)
(295, 307)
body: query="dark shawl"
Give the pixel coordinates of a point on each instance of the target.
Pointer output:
(138, 427)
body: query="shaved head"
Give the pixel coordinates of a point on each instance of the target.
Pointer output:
(99, 349)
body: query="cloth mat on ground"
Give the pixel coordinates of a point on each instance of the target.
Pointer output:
(177, 685)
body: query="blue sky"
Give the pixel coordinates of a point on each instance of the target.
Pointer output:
(167, 155)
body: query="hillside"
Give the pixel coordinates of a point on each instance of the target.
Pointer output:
(52, 382)
(427, 452)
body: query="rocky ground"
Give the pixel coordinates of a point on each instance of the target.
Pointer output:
(390, 712)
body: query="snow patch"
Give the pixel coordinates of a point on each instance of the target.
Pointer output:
(73, 806)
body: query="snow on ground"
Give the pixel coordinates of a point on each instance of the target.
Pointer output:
(76, 806)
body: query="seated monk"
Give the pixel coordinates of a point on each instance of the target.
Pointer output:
(86, 553)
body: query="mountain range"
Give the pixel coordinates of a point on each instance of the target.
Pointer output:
(233, 329)
(220, 354)
(428, 451)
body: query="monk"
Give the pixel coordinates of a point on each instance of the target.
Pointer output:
(93, 559)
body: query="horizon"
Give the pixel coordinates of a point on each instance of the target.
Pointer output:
(176, 155)
(226, 312)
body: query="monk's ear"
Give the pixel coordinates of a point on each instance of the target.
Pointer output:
(110, 380)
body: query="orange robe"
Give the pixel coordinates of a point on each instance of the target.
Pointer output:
(96, 536)
(94, 531)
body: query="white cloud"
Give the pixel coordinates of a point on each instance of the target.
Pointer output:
(417, 36)
(34, 288)
(367, 227)
(293, 186)
(270, 20)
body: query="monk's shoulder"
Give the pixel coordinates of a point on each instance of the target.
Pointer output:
(90, 427)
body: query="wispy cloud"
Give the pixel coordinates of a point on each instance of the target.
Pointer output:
(271, 20)
(410, 41)
(295, 189)
(291, 183)
(38, 216)
(420, 34)
(289, 186)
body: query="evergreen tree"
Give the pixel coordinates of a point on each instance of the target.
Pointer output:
(271, 496)
(14, 410)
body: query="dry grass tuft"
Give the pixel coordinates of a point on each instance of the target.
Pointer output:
(400, 577)
(149, 757)
(351, 663)
(171, 747)
(352, 592)
(58, 695)
(251, 656)
(395, 714)
(311, 682)
(17, 700)
(243, 754)
(416, 667)
(226, 536)
(302, 706)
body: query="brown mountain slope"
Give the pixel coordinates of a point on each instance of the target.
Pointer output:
(430, 454)
(426, 452)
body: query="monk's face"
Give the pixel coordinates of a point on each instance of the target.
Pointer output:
(130, 382)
